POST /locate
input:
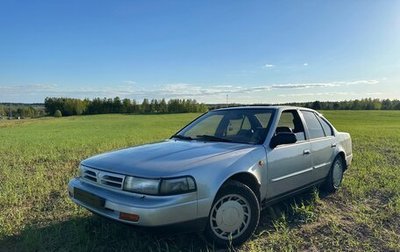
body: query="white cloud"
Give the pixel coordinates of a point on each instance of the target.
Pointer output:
(305, 64)
(304, 85)
(269, 66)
(324, 84)
(359, 82)
(184, 89)
(316, 94)
(205, 93)
(129, 82)
(201, 91)
(31, 88)
(374, 93)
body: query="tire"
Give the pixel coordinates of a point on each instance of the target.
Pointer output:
(335, 177)
(234, 215)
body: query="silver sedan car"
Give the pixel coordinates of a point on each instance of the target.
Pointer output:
(218, 172)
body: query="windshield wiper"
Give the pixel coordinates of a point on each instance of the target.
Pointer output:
(182, 137)
(214, 138)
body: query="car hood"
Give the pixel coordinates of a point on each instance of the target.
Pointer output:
(167, 158)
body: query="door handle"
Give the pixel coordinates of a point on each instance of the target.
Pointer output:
(306, 152)
(333, 145)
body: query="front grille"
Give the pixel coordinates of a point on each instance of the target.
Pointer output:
(107, 179)
(111, 181)
(91, 175)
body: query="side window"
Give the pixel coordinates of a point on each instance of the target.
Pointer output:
(327, 128)
(313, 125)
(290, 122)
(235, 125)
(286, 120)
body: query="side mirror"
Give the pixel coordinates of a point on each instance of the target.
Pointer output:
(282, 138)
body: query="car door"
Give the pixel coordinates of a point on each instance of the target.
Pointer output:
(289, 166)
(322, 143)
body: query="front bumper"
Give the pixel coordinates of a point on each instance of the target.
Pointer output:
(152, 210)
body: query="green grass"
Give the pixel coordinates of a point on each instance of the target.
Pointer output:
(38, 157)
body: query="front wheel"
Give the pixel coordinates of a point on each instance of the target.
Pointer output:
(234, 215)
(335, 176)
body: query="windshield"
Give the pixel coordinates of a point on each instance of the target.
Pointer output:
(233, 125)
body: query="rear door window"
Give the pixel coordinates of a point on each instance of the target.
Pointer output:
(327, 128)
(314, 126)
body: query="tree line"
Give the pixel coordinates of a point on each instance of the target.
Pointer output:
(16, 110)
(73, 106)
(363, 104)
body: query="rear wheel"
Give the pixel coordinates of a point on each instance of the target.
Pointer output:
(335, 176)
(234, 215)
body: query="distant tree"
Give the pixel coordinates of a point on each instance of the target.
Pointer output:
(80, 106)
(126, 104)
(163, 106)
(52, 104)
(108, 108)
(156, 106)
(134, 107)
(94, 106)
(376, 104)
(386, 104)
(145, 107)
(31, 112)
(173, 106)
(356, 105)
(117, 105)
(57, 113)
(202, 108)
(396, 104)
(152, 105)
(68, 107)
(336, 105)
(316, 105)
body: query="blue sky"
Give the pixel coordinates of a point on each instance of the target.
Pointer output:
(252, 51)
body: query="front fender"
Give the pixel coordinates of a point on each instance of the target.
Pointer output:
(209, 186)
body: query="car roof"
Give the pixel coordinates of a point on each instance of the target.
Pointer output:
(275, 107)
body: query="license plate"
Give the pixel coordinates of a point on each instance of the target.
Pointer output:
(89, 198)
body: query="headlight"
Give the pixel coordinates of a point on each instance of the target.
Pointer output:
(177, 185)
(81, 171)
(142, 185)
(168, 186)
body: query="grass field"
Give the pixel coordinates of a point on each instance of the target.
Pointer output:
(38, 157)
